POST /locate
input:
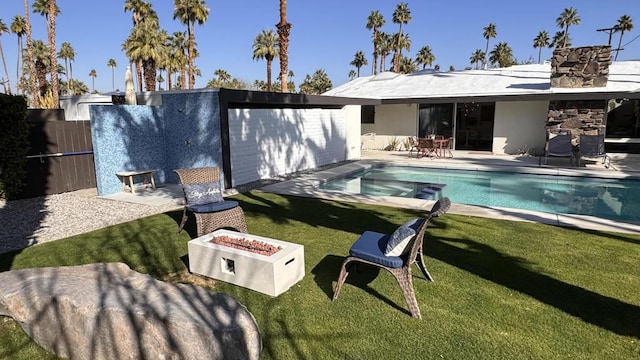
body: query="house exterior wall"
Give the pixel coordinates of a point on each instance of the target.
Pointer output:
(353, 131)
(518, 125)
(270, 142)
(396, 120)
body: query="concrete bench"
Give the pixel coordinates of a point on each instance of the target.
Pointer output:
(128, 177)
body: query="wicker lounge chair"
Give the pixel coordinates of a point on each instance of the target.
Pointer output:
(203, 198)
(370, 249)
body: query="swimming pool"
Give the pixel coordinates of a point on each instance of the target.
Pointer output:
(605, 198)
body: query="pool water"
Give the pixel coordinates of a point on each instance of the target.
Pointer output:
(605, 198)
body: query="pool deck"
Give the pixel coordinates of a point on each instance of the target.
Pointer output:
(622, 166)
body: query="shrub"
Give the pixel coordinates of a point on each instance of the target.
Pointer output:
(13, 145)
(394, 142)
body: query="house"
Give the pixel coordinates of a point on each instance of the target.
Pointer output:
(506, 110)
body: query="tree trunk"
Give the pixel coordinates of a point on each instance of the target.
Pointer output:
(41, 74)
(18, 65)
(55, 87)
(150, 74)
(169, 87)
(284, 30)
(33, 87)
(192, 39)
(139, 74)
(6, 73)
(269, 60)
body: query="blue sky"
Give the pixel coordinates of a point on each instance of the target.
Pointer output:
(325, 34)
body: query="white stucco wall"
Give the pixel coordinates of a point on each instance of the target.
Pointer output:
(269, 142)
(353, 130)
(519, 124)
(398, 120)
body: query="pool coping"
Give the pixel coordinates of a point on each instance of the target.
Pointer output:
(306, 186)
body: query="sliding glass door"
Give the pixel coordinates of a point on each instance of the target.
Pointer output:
(435, 119)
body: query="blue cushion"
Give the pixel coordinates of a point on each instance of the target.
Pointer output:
(370, 246)
(400, 239)
(198, 194)
(214, 207)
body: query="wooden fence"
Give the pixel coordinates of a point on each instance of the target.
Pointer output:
(60, 157)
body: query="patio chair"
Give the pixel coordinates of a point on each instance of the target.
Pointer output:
(394, 253)
(592, 147)
(426, 147)
(447, 146)
(203, 198)
(559, 145)
(413, 145)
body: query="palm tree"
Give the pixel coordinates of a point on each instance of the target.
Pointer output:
(374, 22)
(144, 45)
(4, 29)
(18, 28)
(386, 46)
(568, 17)
(502, 54)
(93, 74)
(178, 55)
(68, 54)
(624, 24)
(189, 12)
(407, 65)
(112, 64)
(352, 74)
(488, 32)
(477, 57)
(401, 15)
(49, 9)
(265, 46)
(140, 9)
(33, 87)
(284, 31)
(316, 84)
(41, 65)
(560, 39)
(540, 41)
(223, 75)
(359, 60)
(425, 57)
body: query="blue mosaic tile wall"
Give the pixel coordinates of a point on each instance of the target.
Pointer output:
(183, 132)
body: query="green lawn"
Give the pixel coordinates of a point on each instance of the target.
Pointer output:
(502, 290)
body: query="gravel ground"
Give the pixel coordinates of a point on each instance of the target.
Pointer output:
(38, 220)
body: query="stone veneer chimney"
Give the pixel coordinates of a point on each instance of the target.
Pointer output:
(581, 67)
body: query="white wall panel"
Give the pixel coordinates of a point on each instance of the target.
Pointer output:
(269, 142)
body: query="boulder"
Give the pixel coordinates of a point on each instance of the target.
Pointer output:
(108, 311)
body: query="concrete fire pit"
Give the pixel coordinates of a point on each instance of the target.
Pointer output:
(271, 275)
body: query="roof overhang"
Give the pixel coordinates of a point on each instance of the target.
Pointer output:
(262, 99)
(515, 97)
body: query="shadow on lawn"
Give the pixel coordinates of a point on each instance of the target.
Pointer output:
(484, 261)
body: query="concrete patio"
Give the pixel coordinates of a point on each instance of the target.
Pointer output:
(622, 166)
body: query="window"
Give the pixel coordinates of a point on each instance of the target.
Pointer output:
(367, 114)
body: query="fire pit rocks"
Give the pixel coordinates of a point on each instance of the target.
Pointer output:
(262, 264)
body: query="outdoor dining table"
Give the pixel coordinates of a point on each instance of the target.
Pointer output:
(432, 147)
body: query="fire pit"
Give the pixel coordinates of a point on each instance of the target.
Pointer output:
(262, 264)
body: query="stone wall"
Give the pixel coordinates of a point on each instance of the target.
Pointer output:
(580, 67)
(578, 116)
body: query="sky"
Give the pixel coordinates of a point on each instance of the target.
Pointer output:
(325, 34)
